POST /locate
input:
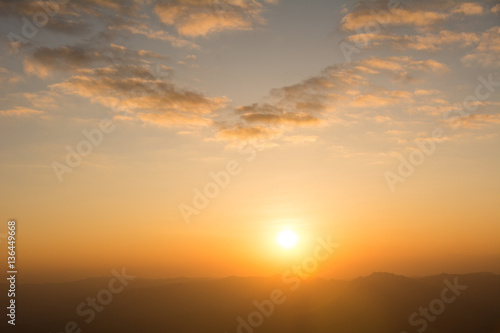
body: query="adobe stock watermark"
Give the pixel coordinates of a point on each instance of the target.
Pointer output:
(87, 310)
(95, 137)
(372, 28)
(84, 148)
(220, 180)
(427, 147)
(437, 306)
(29, 30)
(292, 278)
(406, 168)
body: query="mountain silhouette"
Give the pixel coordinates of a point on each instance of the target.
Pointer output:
(379, 303)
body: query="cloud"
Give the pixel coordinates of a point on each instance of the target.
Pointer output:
(174, 119)
(418, 18)
(64, 19)
(203, 17)
(496, 9)
(299, 105)
(108, 18)
(137, 28)
(246, 133)
(20, 8)
(391, 64)
(403, 65)
(274, 115)
(74, 8)
(433, 42)
(42, 100)
(20, 111)
(285, 119)
(478, 121)
(484, 59)
(469, 8)
(425, 92)
(116, 18)
(487, 53)
(340, 94)
(434, 110)
(9, 76)
(425, 42)
(132, 89)
(421, 14)
(382, 99)
(371, 39)
(74, 58)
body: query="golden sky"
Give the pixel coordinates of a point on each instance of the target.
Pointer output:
(177, 138)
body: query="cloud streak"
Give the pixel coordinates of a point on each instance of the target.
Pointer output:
(75, 58)
(132, 89)
(205, 17)
(421, 14)
(20, 111)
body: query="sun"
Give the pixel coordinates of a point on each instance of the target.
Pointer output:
(287, 238)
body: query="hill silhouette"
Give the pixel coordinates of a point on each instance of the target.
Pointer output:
(379, 303)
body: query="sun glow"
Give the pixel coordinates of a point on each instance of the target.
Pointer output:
(287, 238)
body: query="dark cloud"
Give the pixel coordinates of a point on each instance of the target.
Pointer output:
(45, 60)
(133, 89)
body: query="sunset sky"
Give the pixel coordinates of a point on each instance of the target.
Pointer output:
(317, 108)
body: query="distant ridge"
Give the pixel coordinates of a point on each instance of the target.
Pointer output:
(378, 303)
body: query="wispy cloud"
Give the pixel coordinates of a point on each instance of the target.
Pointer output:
(20, 111)
(341, 94)
(75, 58)
(9, 76)
(134, 90)
(422, 42)
(143, 30)
(204, 17)
(487, 53)
(478, 121)
(421, 14)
